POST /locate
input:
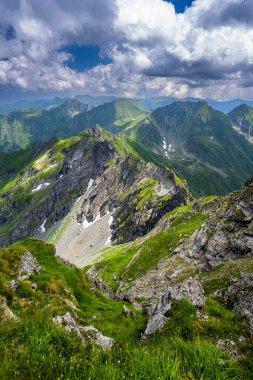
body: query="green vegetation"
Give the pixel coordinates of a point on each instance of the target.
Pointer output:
(19, 130)
(114, 116)
(242, 119)
(143, 194)
(133, 260)
(33, 347)
(22, 174)
(207, 152)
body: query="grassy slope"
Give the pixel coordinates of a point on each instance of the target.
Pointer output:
(20, 129)
(214, 165)
(41, 163)
(34, 348)
(114, 116)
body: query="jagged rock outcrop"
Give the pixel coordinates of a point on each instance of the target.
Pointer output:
(86, 334)
(139, 194)
(228, 232)
(240, 295)
(191, 289)
(136, 193)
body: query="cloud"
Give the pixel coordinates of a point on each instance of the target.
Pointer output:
(230, 13)
(206, 51)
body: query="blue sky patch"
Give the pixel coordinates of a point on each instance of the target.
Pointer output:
(85, 57)
(180, 5)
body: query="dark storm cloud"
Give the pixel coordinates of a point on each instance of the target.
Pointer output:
(235, 12)
(200, 70)
(147, 45)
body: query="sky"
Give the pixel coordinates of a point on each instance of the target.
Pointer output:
(130, 48)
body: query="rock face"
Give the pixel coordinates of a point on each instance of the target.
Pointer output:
(191, 289)
(136, 193)
(242, 118)
(241, 294)
(139, 194)
(88, 334)
(228, 232)
(28, 266)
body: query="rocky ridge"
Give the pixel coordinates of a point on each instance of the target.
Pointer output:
(136, 193)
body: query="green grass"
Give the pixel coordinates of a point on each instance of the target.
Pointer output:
(135, 259)
(34, 348)
(162, 245)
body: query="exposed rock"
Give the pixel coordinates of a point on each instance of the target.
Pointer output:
(88, 334)
(28, 266)
(34, 287)
(191, 289)
(68, 322)
(229, 346)
(100, 285)
(71, 304)
(93, 335)
(241, 295)
(228, 232)
(6, 313)
(13, 284)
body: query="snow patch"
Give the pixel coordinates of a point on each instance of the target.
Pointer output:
(42, 227)
(110, 220)
(87, 224)
(41, 186)
(108, 241)
(167, 149)
(90, 184)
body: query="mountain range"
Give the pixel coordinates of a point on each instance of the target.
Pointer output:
(199, 143)
(110, 266)
(20, 129)
(203, 146)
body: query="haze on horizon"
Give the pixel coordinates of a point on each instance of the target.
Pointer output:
(142, 48)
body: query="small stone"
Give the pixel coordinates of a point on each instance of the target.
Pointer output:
(229, 346)
(34, 287)
(86, 334)
(13, 284)
(71, 304)
(93, 335)
(6, 313)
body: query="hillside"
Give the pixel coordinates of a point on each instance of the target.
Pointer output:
(22, 129)
(113, 116)
(170, 304)
(88, 169)
(242, 119)
(198, 143)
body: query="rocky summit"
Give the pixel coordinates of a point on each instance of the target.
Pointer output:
(111, 268)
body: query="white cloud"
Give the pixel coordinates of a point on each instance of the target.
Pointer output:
(153, 50)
